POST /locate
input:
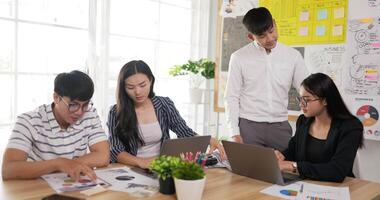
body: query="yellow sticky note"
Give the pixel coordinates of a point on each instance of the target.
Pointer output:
(366, 20)
(338, 13)
(303, 31)
(337, 30)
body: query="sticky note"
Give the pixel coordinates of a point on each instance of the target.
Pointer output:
(304, 16)
(376, 44)
(322, 14)
(303, 31)
(366, 20)
(338, 13)
(371, 77)
(337, 30)
(321, 30)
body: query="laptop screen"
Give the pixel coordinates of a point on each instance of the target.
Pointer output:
(175, 147)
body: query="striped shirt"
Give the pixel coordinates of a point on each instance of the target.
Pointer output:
(168, 117)
(38, 134)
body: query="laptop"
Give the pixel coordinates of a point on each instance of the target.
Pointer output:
(174, 147)
(257, 162)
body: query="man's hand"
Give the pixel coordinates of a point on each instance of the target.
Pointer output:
(215, 144)
(75, 168)
(237, 138)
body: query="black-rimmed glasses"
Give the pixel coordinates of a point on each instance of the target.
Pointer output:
(73, 107)
(304, 101)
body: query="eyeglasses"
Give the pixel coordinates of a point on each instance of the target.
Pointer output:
(73, 107)
(303, 101)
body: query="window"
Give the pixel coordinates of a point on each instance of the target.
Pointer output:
(146, 30)
(41, 38)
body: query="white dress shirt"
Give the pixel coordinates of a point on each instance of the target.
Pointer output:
(258, 83)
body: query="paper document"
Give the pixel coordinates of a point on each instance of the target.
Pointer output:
(308, 191)
(61, 182)
(320, 192)
(124, 179)
(285, 192)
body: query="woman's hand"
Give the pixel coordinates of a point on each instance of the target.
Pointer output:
(285, 165)
(215, 144)
(279, 155)
(144, 163)
(237, 138)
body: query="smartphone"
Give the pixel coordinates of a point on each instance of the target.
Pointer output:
(60, 197)
(145, 172)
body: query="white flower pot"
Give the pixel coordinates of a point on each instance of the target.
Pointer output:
(195, 95)
(189, 189)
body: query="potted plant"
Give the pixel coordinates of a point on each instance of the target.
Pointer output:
(189, 179)
(163, 166)
(198, 71)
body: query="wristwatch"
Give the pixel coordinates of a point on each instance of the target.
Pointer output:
(294, 165)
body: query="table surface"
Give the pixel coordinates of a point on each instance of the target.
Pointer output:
(220, 184)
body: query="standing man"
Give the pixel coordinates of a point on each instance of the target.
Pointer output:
(56, 137)
(259, 78)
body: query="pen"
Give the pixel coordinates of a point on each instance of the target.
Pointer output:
(300, 192)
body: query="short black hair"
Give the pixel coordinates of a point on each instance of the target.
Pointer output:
(258, 20)
(76, 85)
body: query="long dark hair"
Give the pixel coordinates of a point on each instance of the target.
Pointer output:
(324, 88)
(127, 126)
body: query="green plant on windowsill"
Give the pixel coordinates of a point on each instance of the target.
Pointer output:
(187, 170)
(198, 71)
(163, 166)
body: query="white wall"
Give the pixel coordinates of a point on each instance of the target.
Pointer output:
(368, 161)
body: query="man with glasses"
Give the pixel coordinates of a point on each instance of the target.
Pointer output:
(56, 137)
(260, 76)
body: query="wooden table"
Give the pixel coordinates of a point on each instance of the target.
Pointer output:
(220, 184)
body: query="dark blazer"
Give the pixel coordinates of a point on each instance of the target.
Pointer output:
(168, 117)
(342, 143)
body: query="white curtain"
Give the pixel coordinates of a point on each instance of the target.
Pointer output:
(200, 29)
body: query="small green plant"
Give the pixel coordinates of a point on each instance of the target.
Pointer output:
(203, 66)
(164, 166)
(187, 170)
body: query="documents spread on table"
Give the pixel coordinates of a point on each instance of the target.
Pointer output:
(118, 179)
(309, 191)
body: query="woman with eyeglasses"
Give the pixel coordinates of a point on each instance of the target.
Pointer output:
(327, 135)
(140, 120)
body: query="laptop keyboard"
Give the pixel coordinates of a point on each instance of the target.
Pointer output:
(288, 177)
